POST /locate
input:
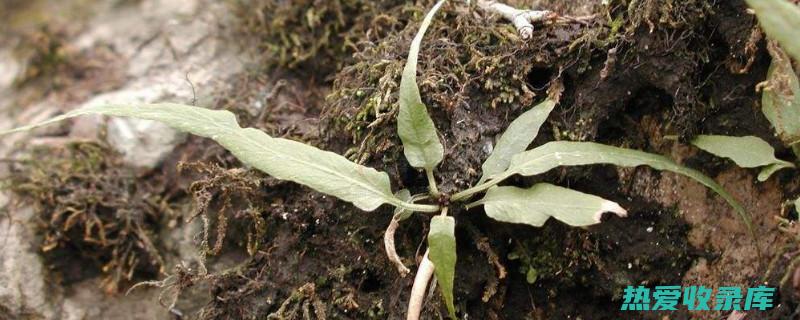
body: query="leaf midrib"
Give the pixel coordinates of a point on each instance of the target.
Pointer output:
(368, 187)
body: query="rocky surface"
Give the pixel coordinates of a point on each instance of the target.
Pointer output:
(163, 51)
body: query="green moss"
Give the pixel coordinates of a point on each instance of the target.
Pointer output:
(544, 258)
(48, 58)
(315, 35)
(468, 60)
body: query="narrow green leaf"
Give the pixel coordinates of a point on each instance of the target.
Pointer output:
(569, 153)
(442, 252)
(780, 20)
(421, 144)
(780, 100)
(533, 206)
(519, 135)
(323, 171)
(746, 152)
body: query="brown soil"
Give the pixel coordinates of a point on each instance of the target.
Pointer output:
(277, 250)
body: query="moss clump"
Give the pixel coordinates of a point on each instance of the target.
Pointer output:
(235, 192)
(670, 14)
(48, 57)
(91, 207)
(53, 66)
(470, 62)
(316, 35)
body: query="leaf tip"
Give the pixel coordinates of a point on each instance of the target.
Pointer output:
(609, 206)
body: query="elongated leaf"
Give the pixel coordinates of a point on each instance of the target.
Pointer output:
(442, 252)
(421, 144)
(746, 152)
(569, 153)
(323, 171)
(533, 206)
(780, 101)
(780, 20)
(516, 139)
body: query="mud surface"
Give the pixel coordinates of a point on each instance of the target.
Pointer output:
(226, 242)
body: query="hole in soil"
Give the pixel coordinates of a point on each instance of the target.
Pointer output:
(624, 124)
(70, 266)
(412, 179)
(371, 282)
(648, 100)
(792, 215)
(539, 78)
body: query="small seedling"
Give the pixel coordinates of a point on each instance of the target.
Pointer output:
(368, 189)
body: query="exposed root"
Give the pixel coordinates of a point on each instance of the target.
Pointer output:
(421, 280)
(522, 19)
(484, 246)
(225, 186)
(301, 302)
(172, 286)
(751, 50)
(391, 253)
(491, 288)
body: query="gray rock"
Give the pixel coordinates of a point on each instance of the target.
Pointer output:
(142, 143)
(24, 287)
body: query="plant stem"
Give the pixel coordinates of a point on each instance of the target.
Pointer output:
(416, 207)
(432, 183)
(473, 204)
(481, 187)
(421, 280)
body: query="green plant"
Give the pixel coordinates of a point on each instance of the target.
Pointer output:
(746, 152)
(780, 101)
(367, 188)
(780, 20)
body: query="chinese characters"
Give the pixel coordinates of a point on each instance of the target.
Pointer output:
(696, 298)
